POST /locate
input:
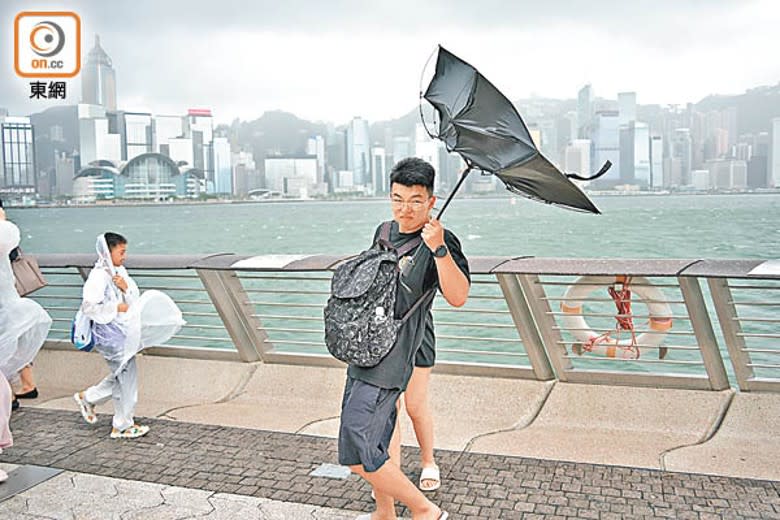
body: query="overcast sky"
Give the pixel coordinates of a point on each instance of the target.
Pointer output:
(337, 59)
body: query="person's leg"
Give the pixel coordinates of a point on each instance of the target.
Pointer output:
(101, 392)
(419, 410)
(125, 394)
(27, 380)
(390, 480)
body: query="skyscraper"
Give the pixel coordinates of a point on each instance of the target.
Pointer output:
(627, 107)
(223, 174)
(359, 152)
(606, 145)
(584, 111)
(98, 80)
(657, 161)
(682, 149)
(577, 157)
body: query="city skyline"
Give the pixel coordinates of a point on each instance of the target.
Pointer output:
(666, 54)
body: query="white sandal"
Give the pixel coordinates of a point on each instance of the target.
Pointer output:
(87, 410)
(430, 473)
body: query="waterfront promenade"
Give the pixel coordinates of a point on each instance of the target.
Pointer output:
(525, 428)
(245, 439)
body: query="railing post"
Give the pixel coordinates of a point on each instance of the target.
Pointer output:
(526, 327)
(232, 303)
(705, 336)
(731, 327)
(540, 309)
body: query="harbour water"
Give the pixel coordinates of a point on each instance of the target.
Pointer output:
(715, 226)
(691, 227)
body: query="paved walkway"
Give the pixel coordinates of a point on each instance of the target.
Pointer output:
(216, 460)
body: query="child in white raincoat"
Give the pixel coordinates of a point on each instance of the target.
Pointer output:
(124, 322)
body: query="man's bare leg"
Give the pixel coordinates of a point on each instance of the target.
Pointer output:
(390, 480)
(419, 410)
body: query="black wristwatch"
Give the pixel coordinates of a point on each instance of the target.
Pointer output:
(441, 251)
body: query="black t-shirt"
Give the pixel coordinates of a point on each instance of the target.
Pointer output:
(396, 368)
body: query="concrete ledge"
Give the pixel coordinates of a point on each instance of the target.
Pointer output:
(277, 397)
(466, 407)
(164, 383)
(612, 425)
(746, 445)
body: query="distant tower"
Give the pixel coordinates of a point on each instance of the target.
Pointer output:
(98, 80)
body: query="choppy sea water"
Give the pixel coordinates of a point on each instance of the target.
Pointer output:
(717, 226)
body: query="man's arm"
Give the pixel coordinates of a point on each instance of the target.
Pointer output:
(454, 284)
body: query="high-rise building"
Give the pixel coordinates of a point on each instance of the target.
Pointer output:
(774, 153)
(727, 174)
(98, 80)
(701, 179)
(136, 131)
(200, 128)
(316, 146)
(381, 173)
(295, 176)
(549, 136)
(641, 165)
(64, 172)
(682, 149)
(359, 152)
(18, 172)
(245, 175)
(56, 132)
(223, 173)
(606, 145)
(577, 157)
(98, 140)
(427, 149)
(626, 107)
(402, 148)
(657, 162)
(584, 111)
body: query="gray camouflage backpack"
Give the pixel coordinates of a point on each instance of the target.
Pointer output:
(360, 323)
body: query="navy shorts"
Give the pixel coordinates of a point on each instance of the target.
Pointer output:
(368, 416)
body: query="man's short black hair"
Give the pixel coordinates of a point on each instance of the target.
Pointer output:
(413, 171)
(114, 239)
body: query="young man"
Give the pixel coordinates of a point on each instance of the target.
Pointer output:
(368, 414)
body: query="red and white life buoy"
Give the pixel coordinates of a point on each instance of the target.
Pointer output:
(659, 312)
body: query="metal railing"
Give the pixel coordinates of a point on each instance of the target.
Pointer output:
(724, 320)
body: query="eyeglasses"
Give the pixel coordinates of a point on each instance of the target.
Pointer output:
(414, 205)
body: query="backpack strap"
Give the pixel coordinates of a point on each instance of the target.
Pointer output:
(384, 235)
(384, 240)
(408, 246)
(427, 297)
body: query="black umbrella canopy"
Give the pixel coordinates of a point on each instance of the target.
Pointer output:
(477, 121)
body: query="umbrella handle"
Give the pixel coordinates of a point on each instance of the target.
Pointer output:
(454, 191)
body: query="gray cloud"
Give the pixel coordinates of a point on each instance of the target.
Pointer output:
(172, 54)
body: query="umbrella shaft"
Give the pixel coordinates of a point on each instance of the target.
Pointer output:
(454, 191)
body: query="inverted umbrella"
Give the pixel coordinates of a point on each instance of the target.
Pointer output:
(477, 121)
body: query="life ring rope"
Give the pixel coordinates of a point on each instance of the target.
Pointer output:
(612, 343)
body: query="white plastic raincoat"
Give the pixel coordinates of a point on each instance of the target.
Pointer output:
(24, 324)
(151, 319)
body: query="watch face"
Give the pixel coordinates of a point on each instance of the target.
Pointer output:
(440, 251)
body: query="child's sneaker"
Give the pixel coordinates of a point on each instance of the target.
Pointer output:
(133, 432)
(87, 409)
